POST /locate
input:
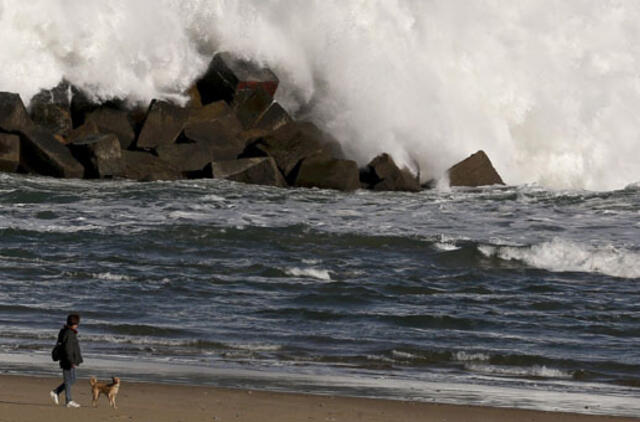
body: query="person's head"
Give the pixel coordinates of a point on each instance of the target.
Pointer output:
(73, 320)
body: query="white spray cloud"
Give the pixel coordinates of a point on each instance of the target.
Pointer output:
(549, 89)
(117, 48)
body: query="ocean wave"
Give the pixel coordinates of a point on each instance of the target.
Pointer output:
(111, 277)
(319, 274)
(446, 247)
(52, 228)
(213, 198)
(471, 357)
(514, 371)
(560, 255)
(380, 358)
(403, 355)
(256, 347)
(633, 186)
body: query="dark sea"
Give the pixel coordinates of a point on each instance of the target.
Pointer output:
(503, 296)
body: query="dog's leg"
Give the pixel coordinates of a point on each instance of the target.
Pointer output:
(96, 394)
(112, 401)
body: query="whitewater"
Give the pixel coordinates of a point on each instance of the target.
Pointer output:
(548, 89)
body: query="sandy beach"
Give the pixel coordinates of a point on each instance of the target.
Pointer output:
(26, 399)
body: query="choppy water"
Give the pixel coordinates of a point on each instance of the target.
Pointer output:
(515, 288)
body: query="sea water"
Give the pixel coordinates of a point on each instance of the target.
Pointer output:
(512, 296)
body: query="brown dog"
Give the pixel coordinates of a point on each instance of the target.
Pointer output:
(109, 390)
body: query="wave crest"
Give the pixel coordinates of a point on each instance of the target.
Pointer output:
(562, 255)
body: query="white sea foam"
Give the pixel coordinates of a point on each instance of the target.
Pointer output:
(403, 355)
(213, 198)
(447, 247)
(187, 215)
(316, 273)
(256, 347)
(517, 371)
(471, 357)
(136, 340)
(111, 277)
(547, 88)
(54, 228)
(448, 243)
(312, 261)
(380, 358)
(563, 255)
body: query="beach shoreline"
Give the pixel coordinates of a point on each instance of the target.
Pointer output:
(25, 398)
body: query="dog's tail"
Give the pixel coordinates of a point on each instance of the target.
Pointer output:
(93, 381)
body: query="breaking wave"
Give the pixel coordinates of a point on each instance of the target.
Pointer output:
(534, 371)
(316, 273)
(566, 256)
(548, 89)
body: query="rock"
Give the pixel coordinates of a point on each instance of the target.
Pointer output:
(9, 153)
(100, 155)
(227, 76)
(55, 118)
(51, 108)
(137, 117)
(209, 113)
(146, 167)
(42, 154)
(291, 144)
(81, 105)
(13, 114)
(249, 106)
(255, 171)
(274, 118)
(40, 151)
(163, 125)
(382, 174)
(109, 120)
(190, 159)
(476, 170)
(194, 97)
(61, 95)
(251, 135)
(328, 173)
(87, 129)
(69, 97)
(221, 137)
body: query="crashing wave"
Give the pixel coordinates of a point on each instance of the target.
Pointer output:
(561, 255)
(425, 81)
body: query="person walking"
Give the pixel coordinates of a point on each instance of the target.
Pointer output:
(70, 357)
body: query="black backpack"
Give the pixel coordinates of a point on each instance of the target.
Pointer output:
(56, 353)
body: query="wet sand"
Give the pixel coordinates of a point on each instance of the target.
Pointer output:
(27, 399)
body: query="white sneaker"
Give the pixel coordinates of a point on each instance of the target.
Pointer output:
(72, 404)
(54, 397)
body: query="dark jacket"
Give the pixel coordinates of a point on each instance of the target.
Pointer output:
(70, 348)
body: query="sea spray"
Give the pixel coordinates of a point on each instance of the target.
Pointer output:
(547, 89)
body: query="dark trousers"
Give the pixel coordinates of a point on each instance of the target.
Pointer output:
(69, 376)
